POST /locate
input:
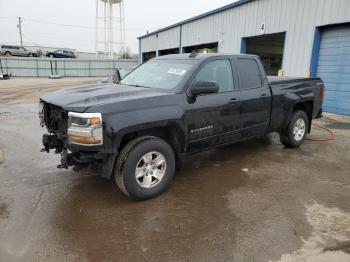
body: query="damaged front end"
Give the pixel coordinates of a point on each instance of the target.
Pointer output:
(70, 133)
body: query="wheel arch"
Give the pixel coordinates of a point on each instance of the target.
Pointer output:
(172, 134)
(307, 107)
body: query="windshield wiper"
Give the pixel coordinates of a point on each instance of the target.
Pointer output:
(137, 86)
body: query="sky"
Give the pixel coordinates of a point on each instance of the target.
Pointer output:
(41, 19)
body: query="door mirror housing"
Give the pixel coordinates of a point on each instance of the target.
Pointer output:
(203, 87)
(116, 78)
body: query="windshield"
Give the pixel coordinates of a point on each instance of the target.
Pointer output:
(163, 74)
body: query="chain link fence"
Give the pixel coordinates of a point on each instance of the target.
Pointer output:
(45, 67)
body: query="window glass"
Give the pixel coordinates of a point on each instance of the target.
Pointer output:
(219, 71)
(249, 73)
(163, 74)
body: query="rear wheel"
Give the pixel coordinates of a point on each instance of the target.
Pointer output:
(8, 54)
(295, 133)
(145, 167)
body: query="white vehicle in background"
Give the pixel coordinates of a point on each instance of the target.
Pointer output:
(13, 50)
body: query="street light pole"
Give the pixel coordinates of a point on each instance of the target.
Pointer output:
(20, 29)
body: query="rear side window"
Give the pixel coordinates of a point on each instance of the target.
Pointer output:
(9, 47)
(249, 73)
(219, 71)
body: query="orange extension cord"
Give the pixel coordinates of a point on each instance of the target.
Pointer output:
(322, 139)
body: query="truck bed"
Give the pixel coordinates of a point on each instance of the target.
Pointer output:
(273, 80)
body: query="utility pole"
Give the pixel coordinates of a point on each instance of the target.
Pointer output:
(20, 29)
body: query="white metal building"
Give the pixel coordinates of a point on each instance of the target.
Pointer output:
(298, 37)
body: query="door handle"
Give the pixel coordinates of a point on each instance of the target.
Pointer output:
(264, 96)
(233, 100)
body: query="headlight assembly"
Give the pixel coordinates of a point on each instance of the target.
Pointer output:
(85, 128)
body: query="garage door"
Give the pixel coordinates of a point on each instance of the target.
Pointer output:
(334, 68)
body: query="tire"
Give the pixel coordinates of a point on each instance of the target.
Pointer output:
(51, 56)
(289, 135)
(30, 55)
(8, 54)
(132, 156)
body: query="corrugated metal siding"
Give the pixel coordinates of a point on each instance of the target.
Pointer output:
(41, 67)
(334, 68)
(297, 17)
(165, 40)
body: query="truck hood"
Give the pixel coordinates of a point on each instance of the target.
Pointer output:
(79, 99)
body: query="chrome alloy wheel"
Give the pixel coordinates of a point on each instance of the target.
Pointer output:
(299, 129)
(150, 170)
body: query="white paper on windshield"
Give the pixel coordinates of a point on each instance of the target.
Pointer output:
(176, 71)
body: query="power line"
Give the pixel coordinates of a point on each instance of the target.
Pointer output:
(58, 24)
(55, 36)
(74, 26)
(46, 36)
(70, 25)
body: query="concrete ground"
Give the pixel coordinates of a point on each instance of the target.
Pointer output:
(254, 201)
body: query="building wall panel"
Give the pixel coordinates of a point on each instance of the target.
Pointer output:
(298, 18)
(165, 40)
(334, 68)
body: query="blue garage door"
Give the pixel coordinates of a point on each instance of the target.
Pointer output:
(334, 68)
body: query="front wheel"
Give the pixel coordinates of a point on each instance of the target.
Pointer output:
(295, 133)
(145, 167)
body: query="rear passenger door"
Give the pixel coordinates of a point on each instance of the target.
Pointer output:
(22, 51)
(214, 119)
(255, 97)
(16, 51)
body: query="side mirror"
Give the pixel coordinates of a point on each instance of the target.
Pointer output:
(203, 87)
(116, 78)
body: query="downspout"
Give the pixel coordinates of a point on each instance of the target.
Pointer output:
(140, 53)
(180, 44)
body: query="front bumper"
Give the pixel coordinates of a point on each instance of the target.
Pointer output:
(103, 163)
(69, 156)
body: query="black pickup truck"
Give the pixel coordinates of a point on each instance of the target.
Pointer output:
(138, 129)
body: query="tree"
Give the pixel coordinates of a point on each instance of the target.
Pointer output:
(126, 54)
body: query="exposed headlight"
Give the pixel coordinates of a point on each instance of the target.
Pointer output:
(85, 128)
(41, 113)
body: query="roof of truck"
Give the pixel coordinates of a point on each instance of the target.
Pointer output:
(199, 56)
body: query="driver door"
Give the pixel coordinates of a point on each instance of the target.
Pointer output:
(16, 51)
(214, 119)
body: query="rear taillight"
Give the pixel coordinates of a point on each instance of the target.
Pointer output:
(322, 90)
